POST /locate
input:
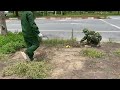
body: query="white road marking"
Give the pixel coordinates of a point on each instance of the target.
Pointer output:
(110, 24)
(62, 20)
(74, 23)
(116, 18)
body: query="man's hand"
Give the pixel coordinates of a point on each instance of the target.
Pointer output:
(40, 35)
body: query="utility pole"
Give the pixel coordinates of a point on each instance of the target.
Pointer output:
(3, 27)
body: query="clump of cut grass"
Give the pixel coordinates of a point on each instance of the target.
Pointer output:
(117, 52)
(92, 53)
(55, 42)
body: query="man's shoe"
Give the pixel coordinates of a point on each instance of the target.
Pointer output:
(31, 59)
(26, 57)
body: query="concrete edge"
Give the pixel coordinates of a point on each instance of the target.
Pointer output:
(58, 18)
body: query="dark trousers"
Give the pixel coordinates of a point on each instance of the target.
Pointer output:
(32, 44)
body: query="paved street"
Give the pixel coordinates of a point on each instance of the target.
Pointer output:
(61, 28)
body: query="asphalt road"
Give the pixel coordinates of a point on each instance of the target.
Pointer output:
(56, 28)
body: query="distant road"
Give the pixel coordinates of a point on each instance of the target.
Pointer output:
(109, 28)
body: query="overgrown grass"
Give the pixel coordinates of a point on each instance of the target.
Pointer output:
(15, 41)
(11, 42)
(55, 42)
(3, 57)
(33, 70)
(117, 52)
(92, 53)
(111, 40)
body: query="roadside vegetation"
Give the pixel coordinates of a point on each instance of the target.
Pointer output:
(92, 53)
(14, 42)
(84, 14)
(108, 54)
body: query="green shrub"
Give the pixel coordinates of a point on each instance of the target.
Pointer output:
(11, 42)
(11, 47)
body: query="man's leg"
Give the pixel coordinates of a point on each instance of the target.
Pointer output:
(98, 45)
(35, 44)
(30, 51)
(28, 44)
(99, 39)
(94, 41)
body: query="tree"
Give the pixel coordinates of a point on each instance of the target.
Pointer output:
(45, 13)
(55, 13)
(16, 13)
(3, 29)
(118, 12)
(61, 12)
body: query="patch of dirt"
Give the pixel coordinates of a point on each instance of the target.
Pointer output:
(68, 63)
(17, 56)
(2, 65)
(109, 46)
(66, 60)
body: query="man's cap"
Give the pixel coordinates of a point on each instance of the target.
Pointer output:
(85, 30)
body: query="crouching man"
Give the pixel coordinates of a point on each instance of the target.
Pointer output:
(92, 38)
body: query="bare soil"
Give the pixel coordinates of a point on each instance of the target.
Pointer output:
(68, 63)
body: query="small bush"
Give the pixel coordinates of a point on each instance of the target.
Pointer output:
(117, 52)
(92, 53)
(8, 48)
(35, 70)
(11, 42)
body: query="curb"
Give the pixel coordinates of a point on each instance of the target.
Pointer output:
(60, 18)
(12, 18)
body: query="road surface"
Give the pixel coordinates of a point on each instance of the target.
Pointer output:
(62, 28)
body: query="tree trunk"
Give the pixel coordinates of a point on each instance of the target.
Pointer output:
(16, 13)
(13, 12)
(118, 12)
(45, 13)
(3, 29)
(61, 12)
(55, 13)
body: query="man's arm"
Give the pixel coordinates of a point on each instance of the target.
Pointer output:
(32, 23)
(83, 39)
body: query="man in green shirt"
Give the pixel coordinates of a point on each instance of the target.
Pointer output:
(30, 33)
